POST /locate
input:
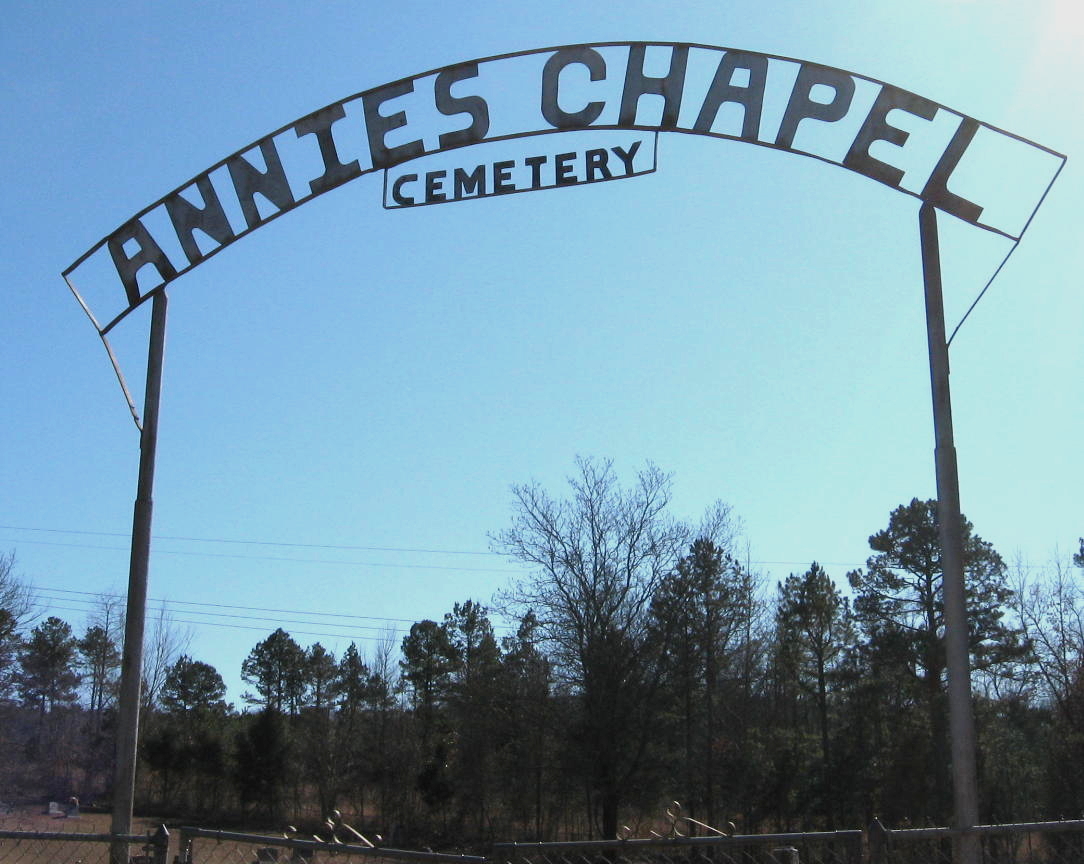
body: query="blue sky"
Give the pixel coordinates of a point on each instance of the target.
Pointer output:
(349, 380)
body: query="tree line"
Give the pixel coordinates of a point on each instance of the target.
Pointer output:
(648, 663)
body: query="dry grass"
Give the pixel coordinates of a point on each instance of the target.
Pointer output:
(36, 818)
(56, 851)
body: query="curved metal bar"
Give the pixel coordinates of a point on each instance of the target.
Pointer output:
(273, 183)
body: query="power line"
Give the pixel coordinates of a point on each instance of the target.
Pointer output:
(329, 546)
(235, 617)
(350, 622)
(396, 549)
(358, 638)
(388, 565)
(388, 623)
(223, 625)
(257, 542)
(165, 602)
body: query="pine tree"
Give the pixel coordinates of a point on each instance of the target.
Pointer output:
(48, 676)
(898, 606)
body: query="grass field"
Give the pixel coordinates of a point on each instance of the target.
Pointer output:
(36, 818)
(45, 850)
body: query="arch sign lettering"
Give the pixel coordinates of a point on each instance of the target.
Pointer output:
(478, 129)
(623, 94)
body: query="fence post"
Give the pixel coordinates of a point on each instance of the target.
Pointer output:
(184, 853)
(878, 842)
(160, 844)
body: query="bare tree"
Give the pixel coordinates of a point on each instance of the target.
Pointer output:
(108, 613)
(1051, 613)
(162, 647)
(16, 606)
(100, 648)
(597, 557)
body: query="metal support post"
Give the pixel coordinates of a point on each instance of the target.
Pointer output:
(135, 617)
(961, 719)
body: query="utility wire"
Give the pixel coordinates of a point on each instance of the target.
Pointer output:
(390, 565)
(164, 602)
(258, 542)
(271, 615)
(234, 616)
(324, 546)
(358, 637)
(353, 638)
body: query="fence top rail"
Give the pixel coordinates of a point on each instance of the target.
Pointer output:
(327, 846)
(640, 842)
(1008, 828)
(72, 837)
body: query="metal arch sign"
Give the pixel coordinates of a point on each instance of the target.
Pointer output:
(907, 142)
(948, 160)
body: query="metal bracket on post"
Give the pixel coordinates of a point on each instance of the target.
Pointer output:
(961, 719)
(139, 566)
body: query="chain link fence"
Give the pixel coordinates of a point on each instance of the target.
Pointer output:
(202, 846)
(1022, 843)
(69, 847)
(1026, 843)
(831, 847)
